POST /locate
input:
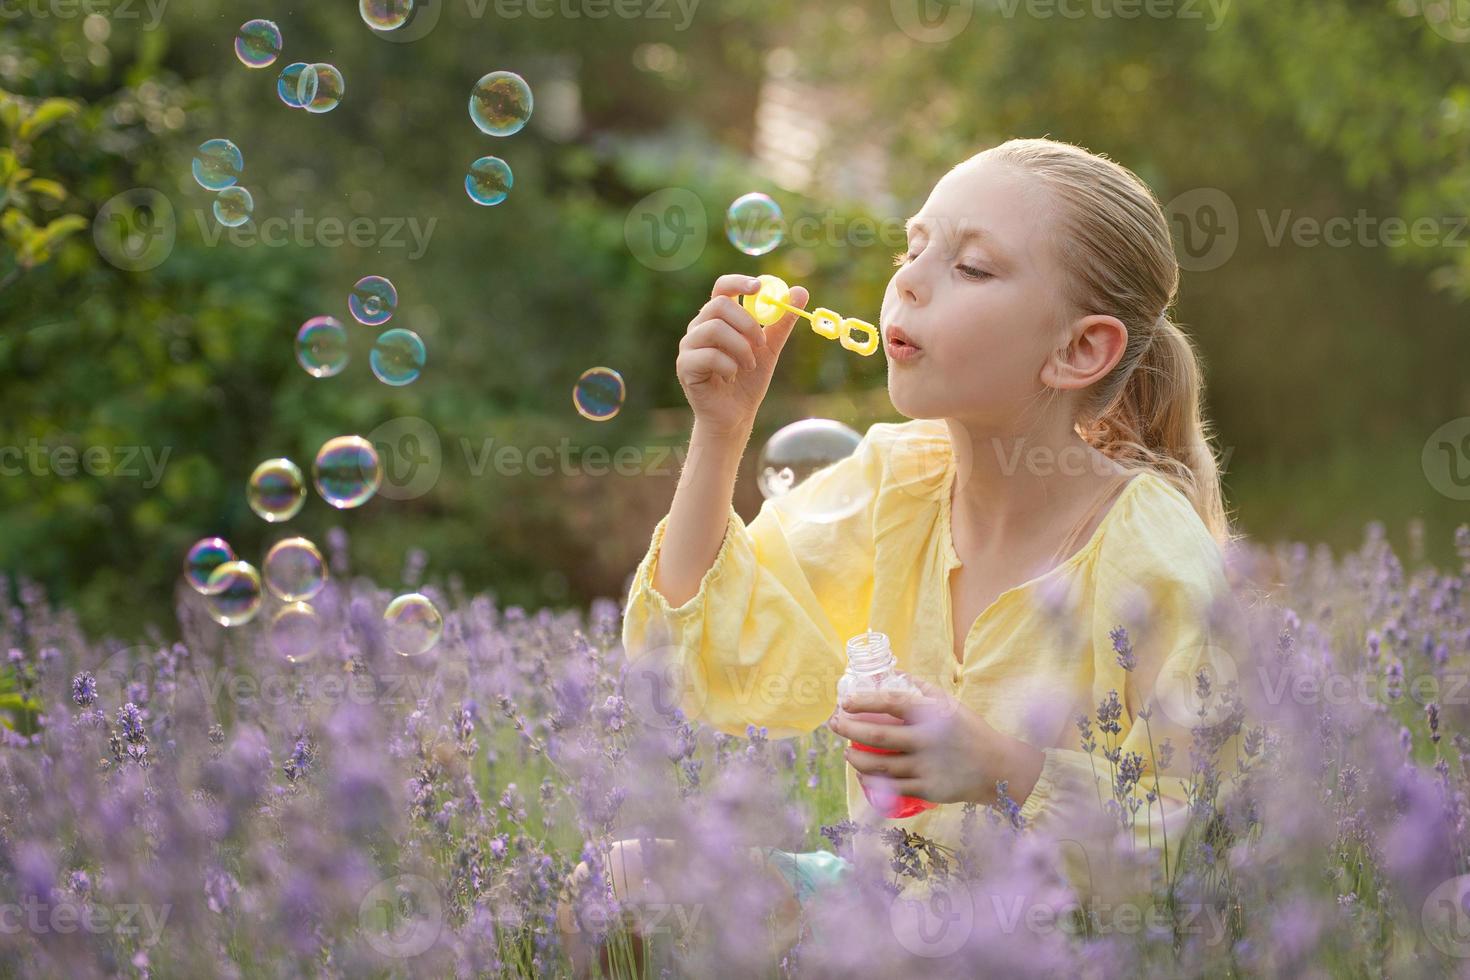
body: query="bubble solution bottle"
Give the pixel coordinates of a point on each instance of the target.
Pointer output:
(871, 667)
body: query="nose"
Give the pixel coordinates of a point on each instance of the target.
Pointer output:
(908, 283)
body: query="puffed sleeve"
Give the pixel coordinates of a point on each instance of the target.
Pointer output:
(763, 640)
(1168, 638)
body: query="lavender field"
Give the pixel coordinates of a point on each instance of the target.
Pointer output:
(204, 808)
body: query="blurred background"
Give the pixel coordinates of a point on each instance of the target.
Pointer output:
(1314, 158)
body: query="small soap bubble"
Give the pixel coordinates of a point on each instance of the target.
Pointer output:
(598, 393)
(203, 558)
(500, 103)
(373, 301)
(276, 490)
(330, 88)
(233, 207)
(218, 164)
(398, 357)
(754, 224)
(258, 44)
(797, 451)
(385, 15)
(297, 85)
(294, 569)
(488, 181)
(296, 633)
(233, 593)
(414, 624)
(347, 471)
(321, 346)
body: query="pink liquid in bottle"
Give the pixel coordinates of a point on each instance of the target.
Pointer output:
(871, 667)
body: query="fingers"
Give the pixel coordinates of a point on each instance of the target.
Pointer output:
(706, 362)
(876, 764)
(889, 702)
(898, 738)
(719, 335)
(723, 309)
(734, 285)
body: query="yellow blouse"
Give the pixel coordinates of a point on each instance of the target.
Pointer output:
(865, 543)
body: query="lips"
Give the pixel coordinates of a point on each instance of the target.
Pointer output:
(898, 338)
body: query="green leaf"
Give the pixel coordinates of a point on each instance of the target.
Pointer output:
(47, 114)
(50, 188)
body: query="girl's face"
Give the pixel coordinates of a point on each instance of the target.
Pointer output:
(980, 296)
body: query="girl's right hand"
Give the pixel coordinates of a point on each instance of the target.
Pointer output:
(726, 359)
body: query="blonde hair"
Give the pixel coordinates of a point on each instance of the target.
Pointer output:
(1147, 412)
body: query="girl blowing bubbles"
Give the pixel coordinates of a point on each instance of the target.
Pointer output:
(1056, 482)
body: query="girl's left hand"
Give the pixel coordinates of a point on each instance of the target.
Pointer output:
(945, 752)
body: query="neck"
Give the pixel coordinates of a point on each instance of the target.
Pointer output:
(1013, 484)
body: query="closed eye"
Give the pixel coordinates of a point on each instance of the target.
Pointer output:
(970, 272)
(901, 258)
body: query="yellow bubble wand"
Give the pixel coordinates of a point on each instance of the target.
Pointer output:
(773, 301)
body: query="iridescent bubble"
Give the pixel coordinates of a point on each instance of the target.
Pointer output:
(373, 301)
(414, 624)
(203, 558)
(500, 103)
(233, 595)
(233, 207)
(218, 164)
(398, 357)
(294, 569)
(385, 15)
(297, 85)
(488, 181)
(347, 471)
(598, 393)
(797, 451)
(258, 44)
(321, 346)
(276, 490)
(330, 88)
(754, 224)
(296, 633)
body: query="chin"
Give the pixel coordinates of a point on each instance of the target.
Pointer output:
(910, 402)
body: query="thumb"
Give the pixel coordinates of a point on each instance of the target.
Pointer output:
(779, 332)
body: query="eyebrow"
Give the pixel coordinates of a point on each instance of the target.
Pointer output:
(969, 234)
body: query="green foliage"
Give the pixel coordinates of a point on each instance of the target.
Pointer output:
(23, 193)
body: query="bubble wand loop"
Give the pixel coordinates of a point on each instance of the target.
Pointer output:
(771, 303)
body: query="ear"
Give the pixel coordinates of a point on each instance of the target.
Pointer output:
(1091, 347)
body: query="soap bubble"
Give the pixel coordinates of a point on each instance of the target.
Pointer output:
(373, 301)
(598, 393)
(233, 595)
(330, 87)
(218, 164)
(488, 181)
(385, 15)
(296, 633)
(297, 85)
(754, 224)
(797, 451)
(203, 558)
(294, 569)
(500, 103)
(398, 357)
(233, 207)
(258, 44)
(276, 490)
(347, 471)
(414, 624)
(321, 346)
